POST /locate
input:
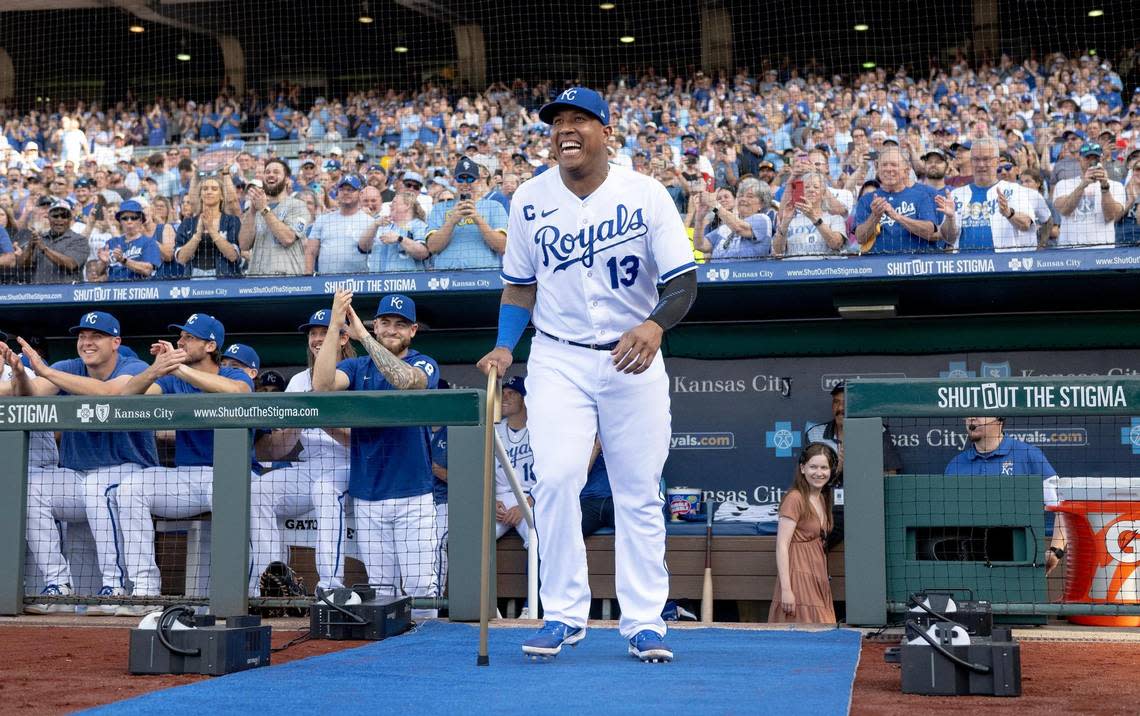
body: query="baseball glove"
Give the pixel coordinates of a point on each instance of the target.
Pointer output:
(280, 581)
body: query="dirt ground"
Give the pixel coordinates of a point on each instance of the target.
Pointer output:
(56, 665)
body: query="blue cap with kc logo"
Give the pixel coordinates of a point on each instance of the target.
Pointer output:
(204, 326)
(319, 318)
(97, 321)
(243, 354)
(582, 98)
(517, 384)
(397, 305)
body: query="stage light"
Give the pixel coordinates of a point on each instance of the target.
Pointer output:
(861, 27)
(137, 29)
(1096, 12)
(627, 39)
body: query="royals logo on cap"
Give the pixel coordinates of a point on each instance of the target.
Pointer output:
(397, 305)
(582, 98)
(204, 326)
(97, 321)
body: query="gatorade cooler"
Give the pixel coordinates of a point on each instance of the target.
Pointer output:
(1102, 528)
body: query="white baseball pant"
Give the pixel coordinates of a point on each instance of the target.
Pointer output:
(57, 493)
(572, 394)
(292, 492)
(501, 528)
(396, 540)
(172, 492)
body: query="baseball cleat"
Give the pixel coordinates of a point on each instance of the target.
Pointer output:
(549, 640)
(52, 590)
(649, 646)
(135, 610)
(106, 610)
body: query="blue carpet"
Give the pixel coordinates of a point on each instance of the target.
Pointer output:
(432, 671)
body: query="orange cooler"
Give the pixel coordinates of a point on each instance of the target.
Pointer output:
(1102, 529)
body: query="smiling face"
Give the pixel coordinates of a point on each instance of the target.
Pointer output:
(513, 403)
(817, 471)
(96, 348)
(578, 139)
(395, 333)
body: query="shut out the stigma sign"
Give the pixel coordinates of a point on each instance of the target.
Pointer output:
(996, 396)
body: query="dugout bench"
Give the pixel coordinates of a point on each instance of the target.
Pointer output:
(743, 565)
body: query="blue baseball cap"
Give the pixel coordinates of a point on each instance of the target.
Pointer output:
(1089, 149)
(466, 168)
(243, 354)
(582, 98)
(130, 206)
(204, 326)
(517, 384)
(319, 318)
(397, 305)
(97, 321)
(350, 180)
(331, 165)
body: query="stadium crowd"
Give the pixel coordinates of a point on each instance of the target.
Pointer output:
(784, 164)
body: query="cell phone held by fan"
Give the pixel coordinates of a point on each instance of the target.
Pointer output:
(796, 191)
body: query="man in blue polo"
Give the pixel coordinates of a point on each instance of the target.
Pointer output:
(991, 454)
(895, 218)
(91, 464)
(470, 233)
(390, 477)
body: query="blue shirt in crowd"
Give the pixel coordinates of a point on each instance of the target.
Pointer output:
(141, 249)
(467, 249)
(894, 238)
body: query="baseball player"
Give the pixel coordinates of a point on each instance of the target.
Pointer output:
(91, 464)
(515, 438)
(243, 358)
(187, 488)
(318, 481)
(587, 248)
(390, 477)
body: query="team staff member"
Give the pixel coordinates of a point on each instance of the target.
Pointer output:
(92, 464)
(318, 480)
(595, 367)
(187, 488)
(895, 218)
(390, 477)
(992, 454)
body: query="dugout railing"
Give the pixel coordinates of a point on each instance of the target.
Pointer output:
(941, 527)
(232, 419)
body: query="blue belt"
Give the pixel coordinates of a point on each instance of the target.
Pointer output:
(591, 346)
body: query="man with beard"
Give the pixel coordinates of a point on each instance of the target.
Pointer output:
(187, 489)
(390, 477)
(274, 226)
(55, 256)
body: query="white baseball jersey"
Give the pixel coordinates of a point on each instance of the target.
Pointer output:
(316, 444)
(977, 210)
(597, 261)
(516, 443)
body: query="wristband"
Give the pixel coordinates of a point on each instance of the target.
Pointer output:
(513, 321)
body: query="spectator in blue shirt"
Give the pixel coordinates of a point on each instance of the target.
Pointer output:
(991, 454)
(470, 233)
(742, 232)
(133, 255)
(895, 218)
